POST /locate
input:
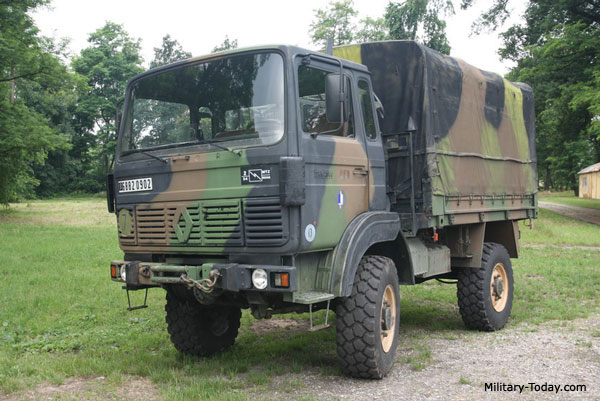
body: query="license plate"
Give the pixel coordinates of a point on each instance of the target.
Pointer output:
(138, 184)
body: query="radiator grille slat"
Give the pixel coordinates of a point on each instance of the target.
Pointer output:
(264, 222)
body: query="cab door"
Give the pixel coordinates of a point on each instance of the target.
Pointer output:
(369, 130)
(336, 163)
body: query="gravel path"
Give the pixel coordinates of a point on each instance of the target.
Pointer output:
(554, 353)
(575, 212)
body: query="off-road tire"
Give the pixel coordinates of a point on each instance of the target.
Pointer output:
(359, 320)
(474, 293)
(194, 329)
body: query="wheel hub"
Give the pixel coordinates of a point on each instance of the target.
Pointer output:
(388, 318)
(499, 287)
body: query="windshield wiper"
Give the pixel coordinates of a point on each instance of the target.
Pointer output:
(239, 153)
(147, 154)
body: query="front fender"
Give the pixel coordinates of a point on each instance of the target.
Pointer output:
(364, 231)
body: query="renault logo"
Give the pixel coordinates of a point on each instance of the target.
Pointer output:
(182, 231)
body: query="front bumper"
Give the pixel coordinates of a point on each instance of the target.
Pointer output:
(233, 277)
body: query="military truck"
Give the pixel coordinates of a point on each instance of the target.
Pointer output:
(279, 180)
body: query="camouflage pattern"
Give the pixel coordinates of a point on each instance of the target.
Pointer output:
(199, 207)
(468, 144)
(474, 135)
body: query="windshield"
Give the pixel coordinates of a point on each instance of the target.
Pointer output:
(236, 101)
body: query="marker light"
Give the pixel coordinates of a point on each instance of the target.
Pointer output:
(259, 279)
(281, 280)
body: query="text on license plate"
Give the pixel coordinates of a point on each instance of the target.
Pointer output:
(139, 184)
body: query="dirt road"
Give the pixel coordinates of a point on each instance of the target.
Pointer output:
(566, 353)
(575, 212)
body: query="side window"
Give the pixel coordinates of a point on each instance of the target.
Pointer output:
(367, 108)
(313, 117)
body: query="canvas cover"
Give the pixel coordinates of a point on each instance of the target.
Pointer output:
(475, 132)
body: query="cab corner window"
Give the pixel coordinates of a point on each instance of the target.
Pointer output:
(367, 108)
(313, 115)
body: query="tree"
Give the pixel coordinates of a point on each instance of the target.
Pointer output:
(169, 52)
(372, 29)
(335, 23)
(26, 135)
(55, 97)
(556, 50)
(420, 20)
(226, 45)
(107, 64)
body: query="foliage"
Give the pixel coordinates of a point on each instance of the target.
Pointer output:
(420, 20)
(556, 52)
(169, 52)
(27, 61)
(107, 64)
(335, 23)
(226, 45)
(371, 30)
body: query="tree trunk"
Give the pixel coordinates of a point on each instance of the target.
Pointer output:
(548, 179)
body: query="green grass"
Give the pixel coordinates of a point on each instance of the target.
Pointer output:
(567, 198)
(556, 229)
(62, 317)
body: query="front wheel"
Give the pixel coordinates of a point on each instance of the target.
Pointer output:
(198, 330)
(485, 295)
(368, 320)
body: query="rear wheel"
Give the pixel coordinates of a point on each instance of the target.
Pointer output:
(485, 295)
(199, 330)
(368, 320)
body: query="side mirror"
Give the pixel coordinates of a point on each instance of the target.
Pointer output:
(336, 98)
(379, 107)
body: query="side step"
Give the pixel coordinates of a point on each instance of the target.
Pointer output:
(314, 297)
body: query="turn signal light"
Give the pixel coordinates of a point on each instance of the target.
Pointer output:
(281, 280)
(113, 271)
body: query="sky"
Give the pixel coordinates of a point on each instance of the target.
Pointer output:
(201, 25)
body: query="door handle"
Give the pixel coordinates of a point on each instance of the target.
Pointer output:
(360, 171)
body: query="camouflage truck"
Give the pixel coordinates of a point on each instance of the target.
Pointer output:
(279, 180)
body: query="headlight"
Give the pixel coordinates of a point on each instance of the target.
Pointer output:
(260, 279)
(124, 273)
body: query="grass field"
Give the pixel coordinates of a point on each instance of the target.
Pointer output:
(62, 317)
(567, 198)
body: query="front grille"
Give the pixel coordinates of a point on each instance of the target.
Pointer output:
(264, 222)
(214, 223)
(207, 223)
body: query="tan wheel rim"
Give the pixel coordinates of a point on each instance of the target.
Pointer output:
(388, 318)
(499, 287)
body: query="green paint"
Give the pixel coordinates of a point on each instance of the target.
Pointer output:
(332, 220)
(125, 222)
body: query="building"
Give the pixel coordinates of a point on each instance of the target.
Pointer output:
(589, 182)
